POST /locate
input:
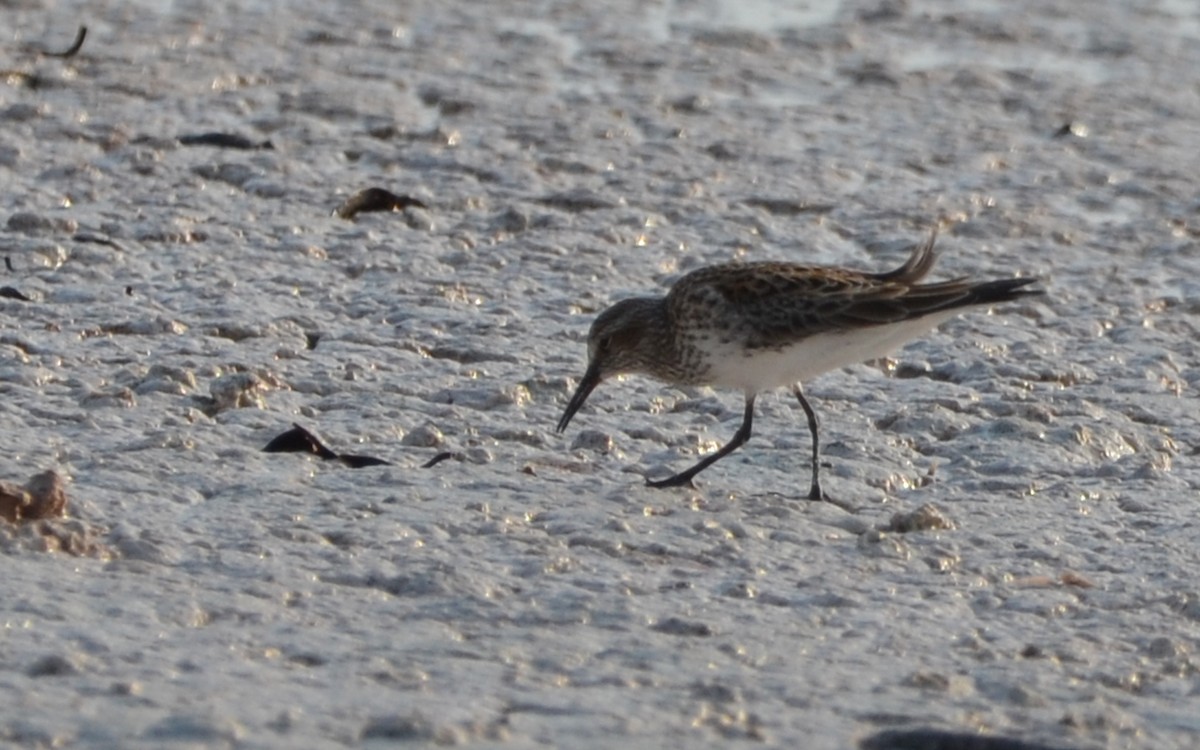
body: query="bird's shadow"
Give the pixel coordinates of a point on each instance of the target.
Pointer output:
(825, 498)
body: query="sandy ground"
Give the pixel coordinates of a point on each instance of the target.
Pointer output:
(528, 591)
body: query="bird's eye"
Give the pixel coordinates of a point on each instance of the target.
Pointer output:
(604, 343)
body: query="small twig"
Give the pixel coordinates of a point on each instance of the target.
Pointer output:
(74, 48)
(437, 459)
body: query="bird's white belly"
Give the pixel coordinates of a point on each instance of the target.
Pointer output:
(762, 369)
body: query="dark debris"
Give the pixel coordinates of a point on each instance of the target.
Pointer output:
(938, 739)
(300, 440)
(375, 199)
(224, 140)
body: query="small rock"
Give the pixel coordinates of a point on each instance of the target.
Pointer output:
(678, 626)
(42, 497)
(926, 518)
(593, 440)
(30, 223)
(425, 436)
(54, 665)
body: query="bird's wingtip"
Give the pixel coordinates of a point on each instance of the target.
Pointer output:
(918, 264)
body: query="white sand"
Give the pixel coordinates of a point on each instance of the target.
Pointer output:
(530, 591)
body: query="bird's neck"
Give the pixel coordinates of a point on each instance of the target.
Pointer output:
(665, 353)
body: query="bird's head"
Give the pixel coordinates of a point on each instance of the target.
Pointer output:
(621, 340)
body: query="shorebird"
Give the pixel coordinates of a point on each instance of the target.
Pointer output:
(760, 326)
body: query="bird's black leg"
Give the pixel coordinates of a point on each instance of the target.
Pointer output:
(739, 437)
(814, 492)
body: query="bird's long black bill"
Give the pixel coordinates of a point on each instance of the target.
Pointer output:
(591, 379)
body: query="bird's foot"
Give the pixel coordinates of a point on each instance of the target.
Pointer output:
(679, 480)
(818, 496)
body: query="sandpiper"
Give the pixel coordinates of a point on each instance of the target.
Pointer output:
(759, 326)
